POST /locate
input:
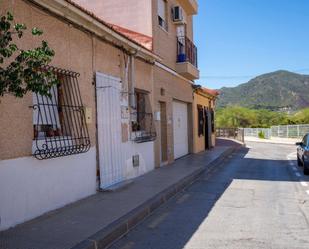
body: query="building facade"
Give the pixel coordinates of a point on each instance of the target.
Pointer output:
(169, 25)
(57, 150)
(203, 109)
(126, 103)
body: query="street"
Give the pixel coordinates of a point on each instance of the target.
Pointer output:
(255, 199)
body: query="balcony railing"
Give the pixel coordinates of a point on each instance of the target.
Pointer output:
(186, 51)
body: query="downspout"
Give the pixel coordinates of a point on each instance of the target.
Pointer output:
(130, 76)
(132, 103)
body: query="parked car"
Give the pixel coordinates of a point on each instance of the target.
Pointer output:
(303, 154)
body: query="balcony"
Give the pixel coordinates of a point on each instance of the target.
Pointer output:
(187, 58)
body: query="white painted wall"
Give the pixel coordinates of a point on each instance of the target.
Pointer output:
(31, 187)
(146, 159)
(115, 155)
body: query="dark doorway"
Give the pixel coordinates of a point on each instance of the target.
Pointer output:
(207, 129)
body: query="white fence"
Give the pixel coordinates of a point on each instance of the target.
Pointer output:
(254, 132)
(282, 131)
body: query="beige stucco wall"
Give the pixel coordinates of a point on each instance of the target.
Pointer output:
(141, 16)
(132, 14)
(199, 141)
(175, 88)
(165, 42)
(75, 50)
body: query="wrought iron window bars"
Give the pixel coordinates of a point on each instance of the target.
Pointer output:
(143, 127)
(60, 127)
(142, 119)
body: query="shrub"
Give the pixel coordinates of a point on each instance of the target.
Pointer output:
(261, 134)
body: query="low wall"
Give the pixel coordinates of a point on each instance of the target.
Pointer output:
(31, 187)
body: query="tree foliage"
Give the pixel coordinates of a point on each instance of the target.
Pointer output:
(27, 70)
(236, 116)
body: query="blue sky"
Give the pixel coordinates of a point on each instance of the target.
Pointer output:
(240, 39)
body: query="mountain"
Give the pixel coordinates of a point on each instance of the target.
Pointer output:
(280, 90)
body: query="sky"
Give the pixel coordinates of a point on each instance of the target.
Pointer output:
(240, 39)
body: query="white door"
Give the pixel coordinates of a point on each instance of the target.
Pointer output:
(180, 129)
(111, 156)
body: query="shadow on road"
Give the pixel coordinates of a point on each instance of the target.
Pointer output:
(174, 225)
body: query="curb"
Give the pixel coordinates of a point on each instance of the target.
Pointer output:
(116, 230)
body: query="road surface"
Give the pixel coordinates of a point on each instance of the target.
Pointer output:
(257, 198)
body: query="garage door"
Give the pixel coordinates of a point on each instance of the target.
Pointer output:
(180, 128)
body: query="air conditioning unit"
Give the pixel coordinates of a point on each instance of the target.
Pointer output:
(178, 14)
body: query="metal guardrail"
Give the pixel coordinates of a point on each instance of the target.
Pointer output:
(281, 131)
(254, 132)
(235, 133)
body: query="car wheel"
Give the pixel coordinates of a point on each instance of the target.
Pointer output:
(306, 168)
(299, 163)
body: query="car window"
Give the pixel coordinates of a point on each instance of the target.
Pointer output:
(304, 141)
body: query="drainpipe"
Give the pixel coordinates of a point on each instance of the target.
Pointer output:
(132, 103)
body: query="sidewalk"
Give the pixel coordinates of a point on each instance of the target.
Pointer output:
(274, 140)
(102, 218)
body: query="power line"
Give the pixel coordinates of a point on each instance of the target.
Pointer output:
(247, 76)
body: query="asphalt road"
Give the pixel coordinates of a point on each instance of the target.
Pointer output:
(255, 199)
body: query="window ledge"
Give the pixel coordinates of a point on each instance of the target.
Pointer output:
(143, 137)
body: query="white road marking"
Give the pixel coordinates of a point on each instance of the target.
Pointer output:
(304, 184)
(307, 191)
(291, 156)
(297, 174)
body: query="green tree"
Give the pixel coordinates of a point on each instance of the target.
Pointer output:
(302, 117)
(235, 116)
(27, 71)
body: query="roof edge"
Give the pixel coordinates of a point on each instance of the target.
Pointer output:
(76, 14)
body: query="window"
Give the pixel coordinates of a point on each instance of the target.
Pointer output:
(305, 142)
(59, 122)
(142, 118)
(162, 14)
(140, 100)
(201, 120)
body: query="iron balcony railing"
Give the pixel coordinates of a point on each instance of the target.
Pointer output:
(186, 51)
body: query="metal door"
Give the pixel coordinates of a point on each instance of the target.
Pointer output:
(111, 158)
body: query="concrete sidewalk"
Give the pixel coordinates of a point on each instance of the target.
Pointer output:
(97, 221)
(274, 140)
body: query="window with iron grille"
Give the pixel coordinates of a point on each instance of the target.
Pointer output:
(142, 118)
(59, 122)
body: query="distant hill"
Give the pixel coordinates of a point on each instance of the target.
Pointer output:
(280, 90)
